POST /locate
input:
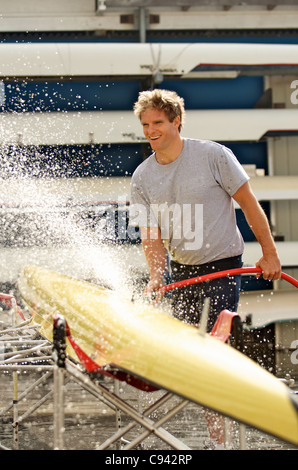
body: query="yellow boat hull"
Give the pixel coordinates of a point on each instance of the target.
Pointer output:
(153, 346)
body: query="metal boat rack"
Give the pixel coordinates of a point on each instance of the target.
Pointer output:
(22, 348)
(27, 352)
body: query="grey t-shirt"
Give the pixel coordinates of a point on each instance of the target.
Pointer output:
(190, 200)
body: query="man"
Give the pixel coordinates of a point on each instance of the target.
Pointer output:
(182, 200)
(196, 176)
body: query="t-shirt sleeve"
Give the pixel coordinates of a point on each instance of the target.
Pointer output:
(228, 171)
(140, 214)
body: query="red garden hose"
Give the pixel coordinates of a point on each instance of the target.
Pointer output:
(229, 272)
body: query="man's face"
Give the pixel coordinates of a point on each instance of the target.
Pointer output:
(158, 130)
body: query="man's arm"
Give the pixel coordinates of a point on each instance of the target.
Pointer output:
(258, 222)
(156, 256)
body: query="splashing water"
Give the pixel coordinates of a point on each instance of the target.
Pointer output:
(64, 225)
(51, 200)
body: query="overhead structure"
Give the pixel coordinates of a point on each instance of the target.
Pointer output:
(145, 16)
(122, 127)
(77, 60)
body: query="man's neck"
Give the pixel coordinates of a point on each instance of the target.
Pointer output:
(170, 154)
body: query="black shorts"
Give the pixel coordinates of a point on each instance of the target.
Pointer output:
(223, 293)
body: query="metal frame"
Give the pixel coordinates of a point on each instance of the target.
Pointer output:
(27, 351)
(61, 370)
(51, 361)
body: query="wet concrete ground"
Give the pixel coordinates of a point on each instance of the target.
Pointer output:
(88, 422)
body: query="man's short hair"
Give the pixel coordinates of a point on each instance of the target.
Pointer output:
(164, 100)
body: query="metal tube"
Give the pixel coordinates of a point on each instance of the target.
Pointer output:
(15, 386)
(59, 347)
(242, 436)
(58, 408)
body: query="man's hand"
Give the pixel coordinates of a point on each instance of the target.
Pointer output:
(270, 266)
(152, 290)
